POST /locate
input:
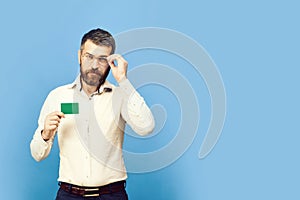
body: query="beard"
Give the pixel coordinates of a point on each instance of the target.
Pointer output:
(93, 77)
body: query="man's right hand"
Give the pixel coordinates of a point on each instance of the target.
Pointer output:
(51, 124)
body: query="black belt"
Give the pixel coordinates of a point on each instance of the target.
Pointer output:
(93, 191)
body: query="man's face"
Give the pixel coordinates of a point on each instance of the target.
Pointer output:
(93, 63)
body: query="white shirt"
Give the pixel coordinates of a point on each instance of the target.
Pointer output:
(91, 142)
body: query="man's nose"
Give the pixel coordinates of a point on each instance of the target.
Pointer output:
(95, 64)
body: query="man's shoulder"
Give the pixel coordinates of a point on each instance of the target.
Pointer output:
(108, 84)
(62, 88)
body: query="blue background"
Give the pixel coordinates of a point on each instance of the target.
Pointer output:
(255, 45)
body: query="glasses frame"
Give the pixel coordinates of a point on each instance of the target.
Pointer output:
(90, 58)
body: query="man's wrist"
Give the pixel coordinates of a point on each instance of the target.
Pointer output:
(43, 136)
(122, 79)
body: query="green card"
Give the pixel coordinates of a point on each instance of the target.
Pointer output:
(69, 108)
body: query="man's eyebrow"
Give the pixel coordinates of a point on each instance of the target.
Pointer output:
(87, 53)
(101, 56)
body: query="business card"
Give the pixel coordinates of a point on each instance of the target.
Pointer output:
(69, 108)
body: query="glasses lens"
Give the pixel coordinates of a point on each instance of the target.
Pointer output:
(91, 58)
(88, 57)
(102, 61)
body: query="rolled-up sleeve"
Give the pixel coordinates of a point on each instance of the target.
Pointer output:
(39, 148)
(135, 111)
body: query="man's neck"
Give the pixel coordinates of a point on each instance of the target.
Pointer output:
(88, 89)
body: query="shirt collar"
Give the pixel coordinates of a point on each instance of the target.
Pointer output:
(105, 87)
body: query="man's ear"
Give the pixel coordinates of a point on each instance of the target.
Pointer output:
(79, 55)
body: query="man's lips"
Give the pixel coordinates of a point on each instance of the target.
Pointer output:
(94, 73)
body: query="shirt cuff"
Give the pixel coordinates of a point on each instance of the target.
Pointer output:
(42, 141)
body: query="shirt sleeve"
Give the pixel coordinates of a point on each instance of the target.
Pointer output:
(39, 148)
(135, 111)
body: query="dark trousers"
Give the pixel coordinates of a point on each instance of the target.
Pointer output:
(63, 195)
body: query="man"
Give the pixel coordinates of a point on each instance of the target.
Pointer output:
(91, 131)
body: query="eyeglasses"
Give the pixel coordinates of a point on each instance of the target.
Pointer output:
(89, 58)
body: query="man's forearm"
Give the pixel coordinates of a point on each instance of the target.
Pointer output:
(135, 110)
(40, 148)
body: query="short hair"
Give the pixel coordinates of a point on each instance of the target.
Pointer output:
(99, 37)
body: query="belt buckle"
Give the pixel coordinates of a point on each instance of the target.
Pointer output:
(77, 189)
(91, 190)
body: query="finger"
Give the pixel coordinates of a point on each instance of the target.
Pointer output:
(59, 114)
(52, 127)
(121, 59)
(54, 118)
(50, 123)
(112, 64)
(115, 57)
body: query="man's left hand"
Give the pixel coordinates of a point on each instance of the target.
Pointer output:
(119, 70)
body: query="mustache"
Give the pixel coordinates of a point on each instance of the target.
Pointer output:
(94, 71)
